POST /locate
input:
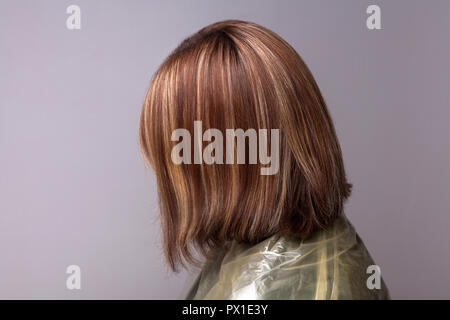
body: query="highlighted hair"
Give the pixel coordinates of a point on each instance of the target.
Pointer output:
(236, 74)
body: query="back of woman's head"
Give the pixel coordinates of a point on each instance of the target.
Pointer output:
(239, 75)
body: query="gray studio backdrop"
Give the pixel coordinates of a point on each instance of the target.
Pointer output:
(74, 189)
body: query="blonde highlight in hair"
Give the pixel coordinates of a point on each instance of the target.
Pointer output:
(236, 74)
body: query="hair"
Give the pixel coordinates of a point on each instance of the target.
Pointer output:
(237, 74)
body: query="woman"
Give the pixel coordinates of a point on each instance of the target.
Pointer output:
(274, 234)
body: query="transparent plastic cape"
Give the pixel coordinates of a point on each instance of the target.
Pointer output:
(331, 264)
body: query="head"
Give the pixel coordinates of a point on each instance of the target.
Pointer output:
(239, 75)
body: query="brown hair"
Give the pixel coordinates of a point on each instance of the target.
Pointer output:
(236, 74)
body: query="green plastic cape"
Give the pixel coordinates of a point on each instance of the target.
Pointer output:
(331, 264)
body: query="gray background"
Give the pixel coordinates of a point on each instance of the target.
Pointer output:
(74, 189)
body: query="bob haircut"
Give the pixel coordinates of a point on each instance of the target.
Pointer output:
(236, 74)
